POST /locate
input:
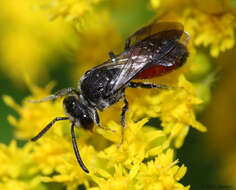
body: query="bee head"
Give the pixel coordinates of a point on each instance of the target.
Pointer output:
(78, 112)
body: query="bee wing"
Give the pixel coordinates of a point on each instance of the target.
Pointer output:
(167, 36)
(108, 65)
(154, 28)
(129, 70)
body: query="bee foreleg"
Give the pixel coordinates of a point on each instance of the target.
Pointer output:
(58, 94)
(45, 129)
(96, 118)
(122, 119)
(112, 56)
(127, 44)
(97, 121)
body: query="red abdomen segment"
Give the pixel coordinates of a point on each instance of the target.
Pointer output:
(155, 71)
(174, 59)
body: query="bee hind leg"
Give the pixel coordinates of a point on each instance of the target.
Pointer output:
(147, 85)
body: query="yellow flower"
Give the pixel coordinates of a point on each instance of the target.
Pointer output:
(28, 39)
(68, 9)
(159, 174)
(177, 111)
(144, 160)
(175, 108)
(17, 170)
(93, 37)
(31, 117)
(210, 24)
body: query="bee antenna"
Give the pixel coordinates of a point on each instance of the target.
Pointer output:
(76, 150)
(58, 94)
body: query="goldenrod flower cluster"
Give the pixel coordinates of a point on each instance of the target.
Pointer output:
(211, 23)
(68, 9)
(146, 159)
(28, 40)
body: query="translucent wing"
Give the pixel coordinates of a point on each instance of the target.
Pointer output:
(154, 28)
(108, 65)
(166, 38)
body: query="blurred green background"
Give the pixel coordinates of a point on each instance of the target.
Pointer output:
(205, 155)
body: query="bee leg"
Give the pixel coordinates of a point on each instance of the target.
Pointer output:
(96, 118)
(97, 121)
(58, 94)
(41, 133)
(112, 56)
(127, 44)
(147, 85)
(76, 150)
(122, 119)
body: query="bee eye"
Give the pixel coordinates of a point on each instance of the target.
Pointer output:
(86, 121)
(75, 108)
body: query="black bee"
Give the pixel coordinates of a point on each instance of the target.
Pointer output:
(152, 51)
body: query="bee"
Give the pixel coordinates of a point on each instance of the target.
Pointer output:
(152, 51)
